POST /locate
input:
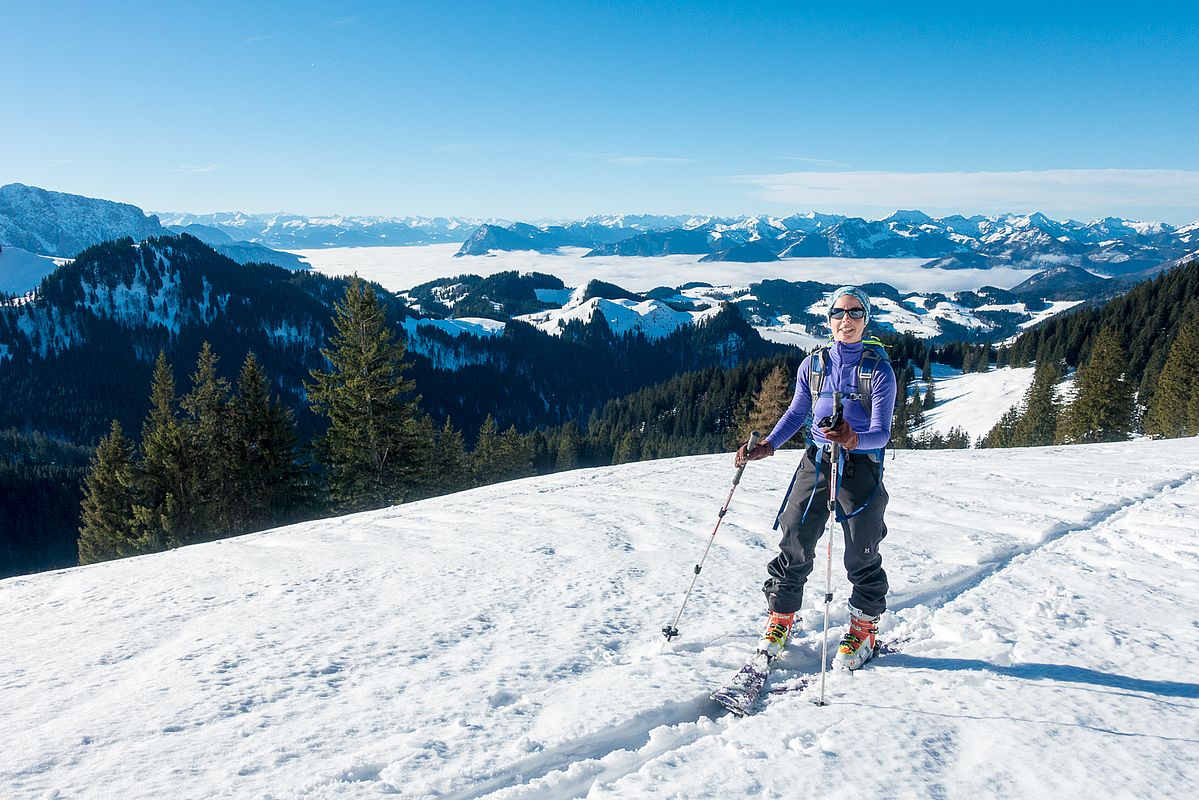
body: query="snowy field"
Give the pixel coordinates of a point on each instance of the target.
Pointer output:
(974, 401)
(401, 268)
(504, 643)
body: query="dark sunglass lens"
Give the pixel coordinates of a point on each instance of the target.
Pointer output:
(854, 313)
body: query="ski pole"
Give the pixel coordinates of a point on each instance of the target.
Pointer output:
(834, 477)
(671, 631)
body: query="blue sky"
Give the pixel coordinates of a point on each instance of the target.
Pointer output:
(534, 110)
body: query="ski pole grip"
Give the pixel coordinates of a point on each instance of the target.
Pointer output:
(750, 445)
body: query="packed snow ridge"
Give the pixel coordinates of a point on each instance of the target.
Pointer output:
(504, 642)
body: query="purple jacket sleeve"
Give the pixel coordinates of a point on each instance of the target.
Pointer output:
(798, 412)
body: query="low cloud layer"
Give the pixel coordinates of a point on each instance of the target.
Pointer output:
(1058, 192)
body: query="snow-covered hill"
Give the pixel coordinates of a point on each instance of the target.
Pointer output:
(504, 642)
(974, 401)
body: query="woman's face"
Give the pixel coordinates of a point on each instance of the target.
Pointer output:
(847, 330)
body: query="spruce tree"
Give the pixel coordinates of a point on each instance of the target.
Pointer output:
(769, 403)
(107, 529)
(1003, 434)
(1102, 410)
(1174, 407)
(1037, 425)
(265, 474)
(516, 457)
(485, 459)
(629, 449)
(215, 503)
(930, 399)
(570, 445)
(368, 451)
(448, 462)
(166, 473)
(901, 428)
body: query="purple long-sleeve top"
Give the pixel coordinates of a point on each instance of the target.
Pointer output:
(873, 432)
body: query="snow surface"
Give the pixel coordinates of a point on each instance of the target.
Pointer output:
(504, 642)
(401, 268)
(974, 401)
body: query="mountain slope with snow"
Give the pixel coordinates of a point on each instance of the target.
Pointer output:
(504, 643)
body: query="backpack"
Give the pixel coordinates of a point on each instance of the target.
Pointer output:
(873, 354)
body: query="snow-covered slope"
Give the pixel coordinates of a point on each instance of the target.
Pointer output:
(653, 318)
(974, 401)
(504, 643)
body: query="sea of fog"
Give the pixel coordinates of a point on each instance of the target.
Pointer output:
(400, 268)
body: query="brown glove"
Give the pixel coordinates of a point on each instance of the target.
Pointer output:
(760, 450)
(842, 435)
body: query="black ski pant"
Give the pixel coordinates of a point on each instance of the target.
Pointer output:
(863, 532)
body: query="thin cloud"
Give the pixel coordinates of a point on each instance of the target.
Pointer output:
(196, 169)
(643, 160)
(263, 38)
(1077, 191)
(343, 22)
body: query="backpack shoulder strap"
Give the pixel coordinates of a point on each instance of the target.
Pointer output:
(872, 356)
(817, 369)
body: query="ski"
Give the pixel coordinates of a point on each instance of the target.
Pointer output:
(741, 694)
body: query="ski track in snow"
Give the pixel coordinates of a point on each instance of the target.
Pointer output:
(606, 756)
(503, 643)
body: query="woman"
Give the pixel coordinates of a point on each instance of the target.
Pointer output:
(861, 372)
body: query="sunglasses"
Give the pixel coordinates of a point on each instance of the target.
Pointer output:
(854, 313)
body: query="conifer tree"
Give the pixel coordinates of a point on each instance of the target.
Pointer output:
(1002, 435)
(1102, 410)
(769, 403)
(368, 451)
(107, 529)
(486, 456)
(166, 473)
(930, 399)
(1174, 408)
(1037, 425)
(516, 457)
(448, 461)
(570, 445)
(915, 412)
(901, 431)
(957, 438)
(265, 475)
(629, 449)
(215, 502)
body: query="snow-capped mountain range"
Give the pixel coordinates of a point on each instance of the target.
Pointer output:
(61, 225)
(1109, 246)
(1033, 611)
(299, 232)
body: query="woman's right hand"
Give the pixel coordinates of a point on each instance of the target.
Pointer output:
(760, 450)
